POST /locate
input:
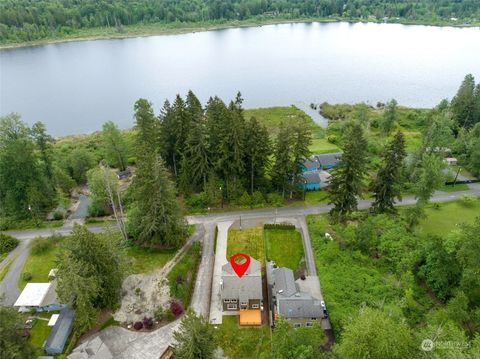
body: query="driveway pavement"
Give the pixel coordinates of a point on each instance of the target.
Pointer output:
(216, 309)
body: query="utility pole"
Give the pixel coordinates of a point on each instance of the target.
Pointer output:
(108, 186)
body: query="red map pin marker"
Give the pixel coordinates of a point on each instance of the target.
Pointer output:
(240, 268)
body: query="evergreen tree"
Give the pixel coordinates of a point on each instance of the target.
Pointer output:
(281, 170)
(155, 218)
(24, 189)
(347, 178)
(91, 269)
(12, 345)
(194, 108)
(43, 143)
(257, 152)
(387, 183)
(114, 146)
(302, 138)
(194, 338)
(198, 156)
(463, 103)
(428, 176)
(476, 104)
(147, 127)
(389, 118)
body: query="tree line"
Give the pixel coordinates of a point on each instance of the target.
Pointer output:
(27, 20)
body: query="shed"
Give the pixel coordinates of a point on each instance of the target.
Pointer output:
(39, 296)
(451, 161)
(311, 181)
(60, 332)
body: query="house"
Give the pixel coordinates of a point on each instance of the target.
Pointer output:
(328, 160)
(39, 296)
(289, 301)
(124, 174)
(315, 180)
(451, 161)
(244, 293)
(310, 165)
(60, 332)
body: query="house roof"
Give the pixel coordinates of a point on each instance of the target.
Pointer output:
(61, 330)
(37, 295)
(249, 286)
(329, 159)
(300, 305)
(284, 282)
(311, 163)
(311, 177)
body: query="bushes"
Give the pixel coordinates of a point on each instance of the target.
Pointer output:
(40, 245)
(27, 276)
(147, 323)
(176, 308)
(7, 243)
(278, 226)
(138, 325)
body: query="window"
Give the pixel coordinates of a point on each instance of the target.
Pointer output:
(243, 303)
(254, 306)
(233, 301)
(313, 318)
(231, 306)
(297, 325)
(226, 300)
(309, 324)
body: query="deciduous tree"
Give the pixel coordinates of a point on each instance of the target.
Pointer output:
(12, 344)
(114, 146)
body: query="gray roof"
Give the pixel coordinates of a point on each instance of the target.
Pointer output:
(301, 305)
(249, 286)
(329, 159)
(310, 164)
(60, 332)
(291, 302)
(284, 282)
(311, 177)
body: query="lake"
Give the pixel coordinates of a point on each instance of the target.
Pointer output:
(75, 87)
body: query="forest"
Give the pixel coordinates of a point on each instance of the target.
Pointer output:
(29, 20)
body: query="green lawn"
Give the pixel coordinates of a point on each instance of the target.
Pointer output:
(321, 145)
(456, 188)
(284, 247)
(145, 260)
(39, 265)
(443, 217)
(248, 241)
(38, 334)
(242, 342)
(181, 278)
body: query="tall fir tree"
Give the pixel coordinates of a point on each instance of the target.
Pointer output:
(257, 152)
(155, 219)
(387, 185)
(389, 119)
(146, 126)
(463, 103)
(281, 171)
(194, 338)
(198, 155)
(348, 177)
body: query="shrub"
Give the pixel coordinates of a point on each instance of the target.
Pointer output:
(179, 279)
(332, 139)
(40, 245)
(258, 199)
(147, 323)
(159, 314)
(27, 276)
(138, 325)
(198, 200)
(7, 243)
(245, 200)
(467, 200)
(170, 315)
(278, 226)
(274, 199)
(176, 308)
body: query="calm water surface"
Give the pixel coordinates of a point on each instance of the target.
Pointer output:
(75, 87)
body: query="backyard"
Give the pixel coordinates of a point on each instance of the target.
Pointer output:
(284, 247)
(242, 342)
(248, 241)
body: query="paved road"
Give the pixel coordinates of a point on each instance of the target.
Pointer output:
(9, 291)
(307, 246)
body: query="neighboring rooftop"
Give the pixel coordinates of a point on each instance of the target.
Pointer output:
(60, 332)
(37, 295)
(329, 159)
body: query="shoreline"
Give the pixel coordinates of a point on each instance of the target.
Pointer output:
(158, 29)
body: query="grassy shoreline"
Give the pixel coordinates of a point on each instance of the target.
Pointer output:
(155, 29)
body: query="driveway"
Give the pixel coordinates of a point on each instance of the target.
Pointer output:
(216, 309)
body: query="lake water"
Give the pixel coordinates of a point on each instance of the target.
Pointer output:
(75, 87)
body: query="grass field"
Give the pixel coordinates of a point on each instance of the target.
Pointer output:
(38, 334)
(242, 342)
(272, 117)
(39, 265)
(444, 217)
(248, 241)
(284, 247)
(145, 260)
